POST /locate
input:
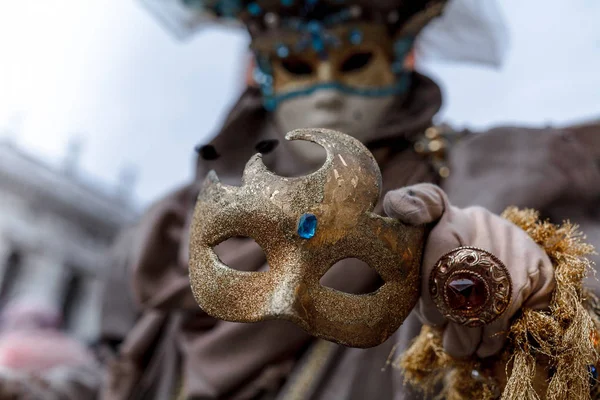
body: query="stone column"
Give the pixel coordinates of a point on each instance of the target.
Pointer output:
(5, 252)
(41, 280)
(86, 315)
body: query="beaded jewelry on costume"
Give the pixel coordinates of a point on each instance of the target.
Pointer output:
(434, 145)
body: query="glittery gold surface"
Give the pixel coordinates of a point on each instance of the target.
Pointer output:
(267, 207)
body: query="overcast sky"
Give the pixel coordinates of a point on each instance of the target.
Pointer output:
(107, 72)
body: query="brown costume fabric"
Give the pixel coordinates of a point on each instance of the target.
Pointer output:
(115, 326)
(223, 360)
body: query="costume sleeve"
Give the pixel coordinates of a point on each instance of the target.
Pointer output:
(586, 214)
(159, 270)
(119, 311)
(526, 168)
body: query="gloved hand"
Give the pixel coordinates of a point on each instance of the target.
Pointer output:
(529, 267)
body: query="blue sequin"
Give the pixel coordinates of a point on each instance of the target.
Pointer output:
(307, 226)
(264, 65)
(356, 37)
(282, 51)
(402, 46)
(593, 374)
(318, 45)
(228, 8)
(194, 3)
(314, 27)
(254, 9)
(397, 67)
(268, 90)
(269, 104)
(287, 3)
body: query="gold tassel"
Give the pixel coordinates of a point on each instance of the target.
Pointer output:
(461, 384)
(566, 337)
(424, 362)
(520, 384)
(522, 374)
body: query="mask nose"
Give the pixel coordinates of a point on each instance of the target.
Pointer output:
(328, 99)
(290, 298)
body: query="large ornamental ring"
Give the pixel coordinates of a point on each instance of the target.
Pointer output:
(470, 286)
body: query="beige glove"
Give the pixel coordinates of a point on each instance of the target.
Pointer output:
(530, 268)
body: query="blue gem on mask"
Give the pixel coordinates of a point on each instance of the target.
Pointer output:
(307, 226)
(287, 3)
(282, 51)
(356, 37)
(254, 9)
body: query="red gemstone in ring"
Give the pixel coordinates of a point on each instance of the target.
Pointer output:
(466, 292)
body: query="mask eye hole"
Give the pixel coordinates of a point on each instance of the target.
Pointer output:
(230, 253)
(352, 276)
(297, 66)
(356, 61)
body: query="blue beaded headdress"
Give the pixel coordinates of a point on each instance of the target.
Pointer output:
(311, 22)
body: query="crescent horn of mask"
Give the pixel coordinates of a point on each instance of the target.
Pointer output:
(305, 225)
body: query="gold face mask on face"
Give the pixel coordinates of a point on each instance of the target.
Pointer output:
(362, 67)
(354, 59)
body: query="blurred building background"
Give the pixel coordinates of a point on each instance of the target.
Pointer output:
(55, 228)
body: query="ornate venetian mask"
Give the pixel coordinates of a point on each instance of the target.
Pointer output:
(361, 64)
(351, 89)
(345, 77)
(354, 59)
(305, 225)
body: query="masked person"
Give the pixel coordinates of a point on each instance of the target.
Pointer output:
(346, 66)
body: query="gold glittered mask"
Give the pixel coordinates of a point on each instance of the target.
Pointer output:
(305, 225)
(361, 66)
(355, 58)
